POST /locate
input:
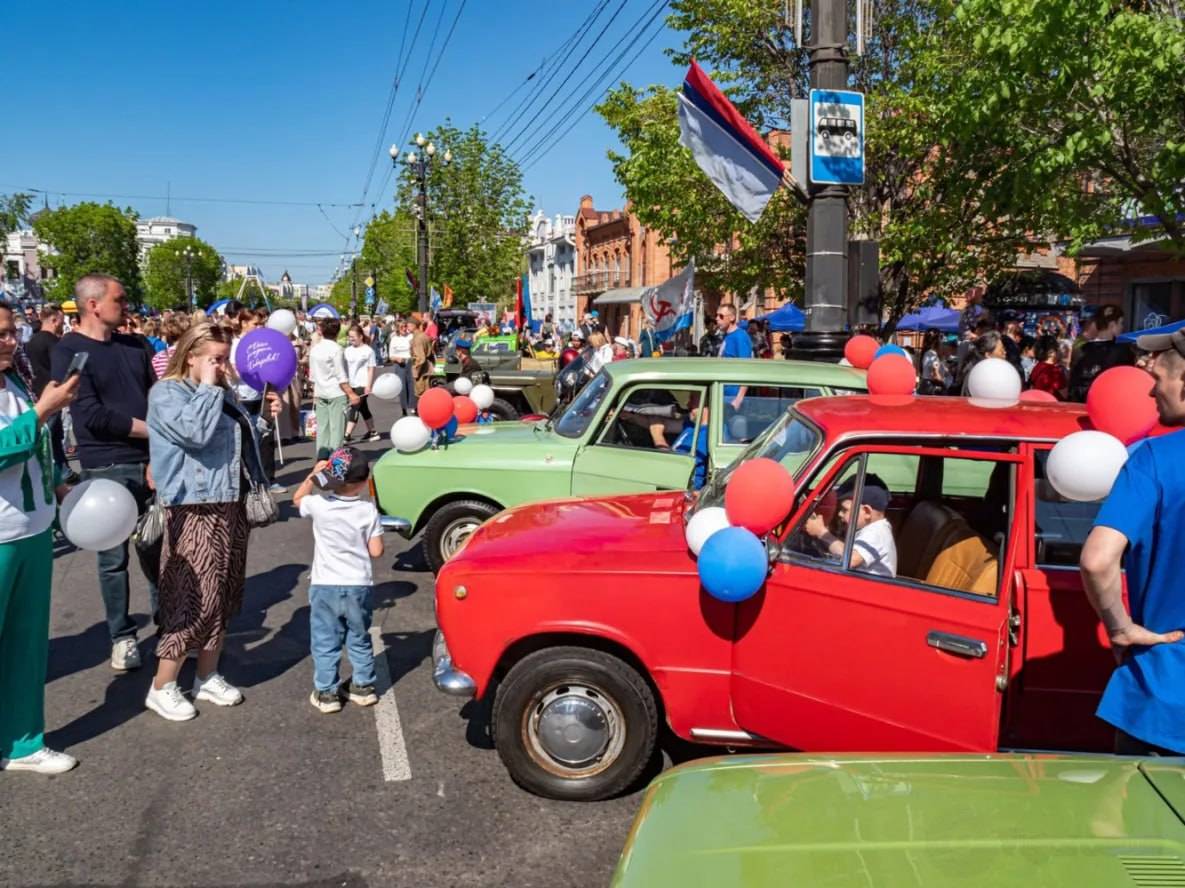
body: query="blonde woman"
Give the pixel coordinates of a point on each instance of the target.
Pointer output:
(602, 351)
(203, 449)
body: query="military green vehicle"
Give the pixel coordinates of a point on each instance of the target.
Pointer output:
(522, 385)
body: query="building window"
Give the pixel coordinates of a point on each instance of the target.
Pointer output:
(1155, 303)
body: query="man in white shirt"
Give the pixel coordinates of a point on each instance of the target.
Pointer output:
(332, 393)
(874, 550)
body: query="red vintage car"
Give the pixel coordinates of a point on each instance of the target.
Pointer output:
(585, 620)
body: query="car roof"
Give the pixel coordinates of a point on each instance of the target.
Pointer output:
(775, 372)
(943, 417)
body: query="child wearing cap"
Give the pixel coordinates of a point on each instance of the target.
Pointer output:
(347, 535)
(874, 550)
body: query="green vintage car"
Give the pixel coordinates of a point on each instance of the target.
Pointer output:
(621, 434)
(985, 821)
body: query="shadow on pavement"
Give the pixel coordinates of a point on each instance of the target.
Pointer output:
(123, 700)
(386, 594)
(406, 651)
(412, 559)
(79, 652)
(283, 648)
(477, 714)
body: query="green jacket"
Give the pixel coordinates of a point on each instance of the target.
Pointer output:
(25, 438)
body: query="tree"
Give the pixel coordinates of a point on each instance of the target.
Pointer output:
(168, 273)
(388, 252)
(249, 293)
(89, 238)
(477, 214)
(14, 211)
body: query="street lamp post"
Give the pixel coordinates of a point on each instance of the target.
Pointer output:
(354, 276)
(188, 254)
(420, 164)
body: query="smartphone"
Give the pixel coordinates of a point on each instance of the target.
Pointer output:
(76, 364)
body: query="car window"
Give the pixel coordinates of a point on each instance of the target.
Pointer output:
(580, 413)
(759, 407)
(1060, 525)
(655, 418)
(489, 348)
(912, 522)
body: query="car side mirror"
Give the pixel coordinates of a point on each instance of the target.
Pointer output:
(773, 549)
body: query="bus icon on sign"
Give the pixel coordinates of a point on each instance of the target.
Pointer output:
(836, 135)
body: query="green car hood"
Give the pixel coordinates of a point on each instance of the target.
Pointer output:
(970, 821)
(481, 444)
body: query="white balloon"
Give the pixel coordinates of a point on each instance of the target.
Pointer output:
(483, 396)
(409, 434)
(283, 320)
(994, 379)
(98, 514)
(387, 387)
(462, 385)
(703, 524)
(1083, 466)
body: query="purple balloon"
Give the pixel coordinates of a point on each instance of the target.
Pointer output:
(266, 357)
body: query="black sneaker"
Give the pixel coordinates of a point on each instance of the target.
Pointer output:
(71, 477)
(326, 701)
(361, 695)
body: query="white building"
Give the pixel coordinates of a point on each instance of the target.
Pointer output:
(158, 229)
(551, 264)
(23, 272)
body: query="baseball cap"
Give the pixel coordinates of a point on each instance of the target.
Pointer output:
(1158, 342)
(347, 465)
(874, 493)
(463, 343)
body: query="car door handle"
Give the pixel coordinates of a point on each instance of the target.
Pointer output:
(960, 645)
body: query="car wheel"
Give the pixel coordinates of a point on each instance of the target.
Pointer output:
(450, 528)
(574, 724)
(503, 410)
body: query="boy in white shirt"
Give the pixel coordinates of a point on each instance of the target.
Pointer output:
(874, 550)
(347, 535)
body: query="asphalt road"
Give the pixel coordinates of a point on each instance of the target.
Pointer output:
(273, 792)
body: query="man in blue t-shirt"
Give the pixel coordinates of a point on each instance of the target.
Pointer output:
(735, 344)
(1141, 527)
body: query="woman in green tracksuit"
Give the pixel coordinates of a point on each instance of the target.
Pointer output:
(27, 510)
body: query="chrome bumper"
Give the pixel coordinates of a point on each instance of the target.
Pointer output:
(447, 679)
(400, 525)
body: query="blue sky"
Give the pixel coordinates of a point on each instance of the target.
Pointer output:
(282, 101)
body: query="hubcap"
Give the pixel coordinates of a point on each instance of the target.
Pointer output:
(575, 730)
(456, 534)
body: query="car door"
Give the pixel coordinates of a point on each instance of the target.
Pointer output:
(830, 658)
(1065, 659)
(624, 454)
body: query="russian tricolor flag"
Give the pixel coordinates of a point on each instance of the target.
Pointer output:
(726, 147)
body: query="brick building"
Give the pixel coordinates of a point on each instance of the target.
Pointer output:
(617, 259)
(1144, 279)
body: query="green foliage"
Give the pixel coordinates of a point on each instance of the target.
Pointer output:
(90, 238)
(167, 273)
(246, 291)
(388, 251)
(14, 210)
(477, 215)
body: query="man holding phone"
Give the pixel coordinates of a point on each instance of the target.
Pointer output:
(115, 372)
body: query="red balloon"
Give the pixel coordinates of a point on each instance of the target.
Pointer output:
(464, 408)
(1038, 395)
(1120, 403)
(891, 375)
(859, 351)
(435, 407)
(759, 495)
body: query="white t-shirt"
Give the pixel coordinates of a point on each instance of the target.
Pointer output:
(399, 347)
(359, 360)
(15, 522)
(244, 391)
(342, 527)
(327, 367)
(877, 548)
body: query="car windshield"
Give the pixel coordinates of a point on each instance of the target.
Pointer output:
(575, 420)
(791, 441)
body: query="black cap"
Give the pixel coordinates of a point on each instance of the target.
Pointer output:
(1159, 342)
(874, 493)
(347, 465)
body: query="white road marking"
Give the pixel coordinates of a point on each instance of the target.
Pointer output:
(386, 716)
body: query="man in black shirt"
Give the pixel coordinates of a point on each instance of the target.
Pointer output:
(109, 424)
(39, 348)
(1101, 353)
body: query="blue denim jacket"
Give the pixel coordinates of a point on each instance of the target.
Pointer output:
(195, 447)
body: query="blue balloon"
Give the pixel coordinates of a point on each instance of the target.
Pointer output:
(890, 349)
(732, 564)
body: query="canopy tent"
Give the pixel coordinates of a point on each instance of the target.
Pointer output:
(787, 319)
(323, 310)
(620, 296)
(1133, 335)
(932, 316)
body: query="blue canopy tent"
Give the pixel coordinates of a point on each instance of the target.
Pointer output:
(216, 307)
(932, 316)
(323, 310)
(787, 319)
(1133, 335)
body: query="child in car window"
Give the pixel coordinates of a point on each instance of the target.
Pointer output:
(684, 444)
(874, 550)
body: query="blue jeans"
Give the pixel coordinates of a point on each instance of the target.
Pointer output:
(337, 613)
(113, 562)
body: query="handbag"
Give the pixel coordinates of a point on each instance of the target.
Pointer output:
(150, 526)
(261, 506)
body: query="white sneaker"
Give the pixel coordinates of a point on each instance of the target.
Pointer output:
(168, 702)
(43, 761)
(125, 655)
(217, 690)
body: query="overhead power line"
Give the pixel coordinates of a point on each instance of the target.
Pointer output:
(51, 192)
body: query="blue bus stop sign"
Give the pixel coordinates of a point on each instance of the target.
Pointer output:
(837, 137)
